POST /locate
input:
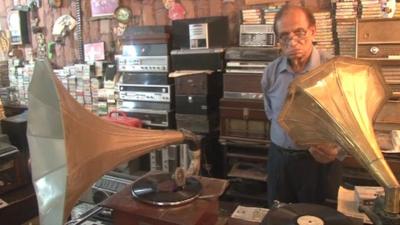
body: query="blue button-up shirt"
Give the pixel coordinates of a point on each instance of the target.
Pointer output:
(275, 82)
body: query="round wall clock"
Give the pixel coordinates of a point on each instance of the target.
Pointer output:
(123, 14)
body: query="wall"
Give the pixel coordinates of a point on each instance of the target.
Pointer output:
(145, 12)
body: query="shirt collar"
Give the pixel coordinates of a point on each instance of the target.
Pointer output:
(311, 64)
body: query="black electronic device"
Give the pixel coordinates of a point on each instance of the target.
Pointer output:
(148, 78)
(213, 29)
(15, 128)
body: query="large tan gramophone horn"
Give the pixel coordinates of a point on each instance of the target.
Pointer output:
(71, 148)
(337, 103)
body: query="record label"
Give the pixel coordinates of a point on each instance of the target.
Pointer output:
(309, 220)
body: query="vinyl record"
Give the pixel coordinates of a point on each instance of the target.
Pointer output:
(305, 214)
(161, 189)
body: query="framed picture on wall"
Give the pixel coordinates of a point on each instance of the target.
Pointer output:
(103, 8)
(94, 52)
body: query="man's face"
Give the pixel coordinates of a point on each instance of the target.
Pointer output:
(295, 35)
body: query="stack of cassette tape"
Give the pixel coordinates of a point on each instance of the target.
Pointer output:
(346, 12)
(324, 36)
(370, 9)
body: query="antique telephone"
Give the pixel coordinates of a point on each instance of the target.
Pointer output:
(71, 148)
(337, 103)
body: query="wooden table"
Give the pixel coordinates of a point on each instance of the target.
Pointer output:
(22, 206)
(129, 211)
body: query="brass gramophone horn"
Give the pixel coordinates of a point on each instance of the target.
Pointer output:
(71, 148)
(337, 103)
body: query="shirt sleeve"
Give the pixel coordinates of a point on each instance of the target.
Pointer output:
(265, 84)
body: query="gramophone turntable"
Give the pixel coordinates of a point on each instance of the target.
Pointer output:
(160, 189)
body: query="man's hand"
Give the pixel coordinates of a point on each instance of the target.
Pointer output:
(324, 153)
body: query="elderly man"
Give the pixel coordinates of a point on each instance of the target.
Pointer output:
(294, 174)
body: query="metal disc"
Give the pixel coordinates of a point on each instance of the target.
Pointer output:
(161, 189)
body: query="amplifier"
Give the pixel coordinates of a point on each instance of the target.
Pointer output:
(147, 78)
(128, 105)
(153, 118)
(260, 35)
(242, 86)
(143, 63)
(199, 84)
(140, 92)
(252, 54)
(145, 50)
(246, 66)
(198, 59)
(196, 104)
(374, 40)
(198, 123)
(243, 120)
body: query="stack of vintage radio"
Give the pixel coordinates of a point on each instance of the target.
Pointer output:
(244, 126)
(145, 91)
(198, 62)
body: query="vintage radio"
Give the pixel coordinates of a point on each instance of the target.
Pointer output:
(243, 120)
(196, 104)
(199, 84)
(374, 41)
(147, 78)
(140, 92)
(257, 35)
(251, 54)
(128, 105)
(13, 168)
(242, 86)
(153, 118)
(197, 123)
(205, 32)
(145, 50)
(246, 66)
(143, 64)
(198, 59)
(146, 34)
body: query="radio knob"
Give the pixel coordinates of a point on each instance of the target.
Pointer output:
(374, 50)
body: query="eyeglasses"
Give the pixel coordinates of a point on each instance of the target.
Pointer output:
(299, 34)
